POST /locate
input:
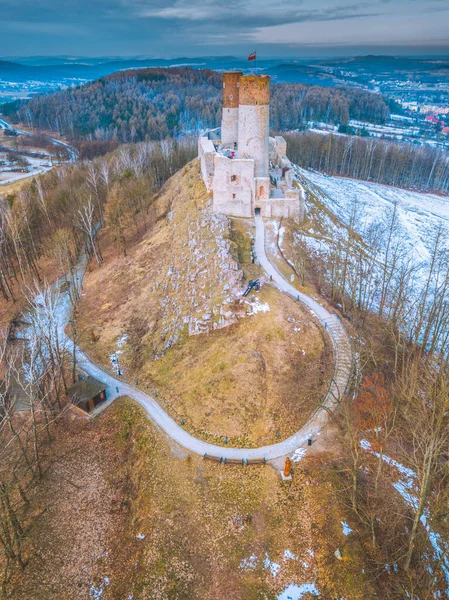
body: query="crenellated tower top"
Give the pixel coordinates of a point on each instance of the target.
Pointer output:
(231, 86)
(254, 90)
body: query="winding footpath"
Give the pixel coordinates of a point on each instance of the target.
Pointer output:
(343, 362)
(71, 151)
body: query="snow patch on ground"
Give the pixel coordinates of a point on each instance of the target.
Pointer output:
(272, 228)
(249, 564)
(298, 454)
(346, 529)
(281, 233)
(96, 591)
(418, 213)
(319, 246)
(259, 307)
(274, 567)
(115, 356)
(36, 166)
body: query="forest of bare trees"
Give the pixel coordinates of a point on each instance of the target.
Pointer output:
(153, 104)
(403, 165)
(375, 271)
(55, 216)
(398, 308)
(53, 220)
(34, 378)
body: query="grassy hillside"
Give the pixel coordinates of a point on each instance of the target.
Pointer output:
(128, 514)
(119, 510)
(249, 370)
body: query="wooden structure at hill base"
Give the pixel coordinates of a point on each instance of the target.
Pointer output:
(87, 393)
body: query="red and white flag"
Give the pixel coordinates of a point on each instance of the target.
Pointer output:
(252, 56)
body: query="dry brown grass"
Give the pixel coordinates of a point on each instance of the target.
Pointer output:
(254, 382)
(118, 477)
(163, 279)
(76, 540)
(15, 142)
(12, 188)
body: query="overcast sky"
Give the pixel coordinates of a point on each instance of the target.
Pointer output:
(171, 28)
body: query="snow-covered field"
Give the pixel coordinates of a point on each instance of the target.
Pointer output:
(419, 214)
(387, 129)
(36, 167)
(395, 130)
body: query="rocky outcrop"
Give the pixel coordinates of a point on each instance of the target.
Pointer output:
(201, 288)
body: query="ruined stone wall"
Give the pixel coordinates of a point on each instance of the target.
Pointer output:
(233, 186)
(254, 90)
(262, 185)
(206, 153)
(289, 176)
(287, 207)
(242, 184)
(280, 146)
(230, 126)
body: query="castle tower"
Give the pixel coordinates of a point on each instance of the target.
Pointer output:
(230, 117)
(253, 121)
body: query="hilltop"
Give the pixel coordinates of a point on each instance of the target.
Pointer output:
(162, 305)
(145, 516)
(249, 370)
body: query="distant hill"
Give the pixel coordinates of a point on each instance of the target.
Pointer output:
(6, 65)
(60, 69)
(300, 73)
(67, 69)
(139, 104)
(388, 67)
(396, 63)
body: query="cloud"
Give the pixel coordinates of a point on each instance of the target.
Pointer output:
(183, 27)
(250, 15)
(303, 22)
(363, 30)
(46, 28)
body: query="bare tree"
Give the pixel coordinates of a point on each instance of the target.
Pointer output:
(87, 223)
(425, 393)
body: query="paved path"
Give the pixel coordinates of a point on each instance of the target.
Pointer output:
(72, 152)
(342, 352)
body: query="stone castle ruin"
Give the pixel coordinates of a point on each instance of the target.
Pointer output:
(246, 169)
